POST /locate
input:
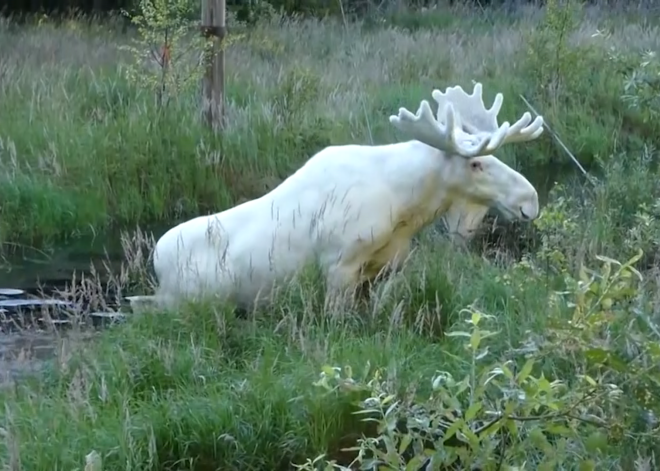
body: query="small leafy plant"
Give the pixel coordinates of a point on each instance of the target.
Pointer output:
(642, 87)
(167, 50)
(552, 60)
(497, 415)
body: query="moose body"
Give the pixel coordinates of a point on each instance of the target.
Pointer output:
(354, 209)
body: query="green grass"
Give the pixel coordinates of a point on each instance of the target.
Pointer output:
(84, 150)
(202, 390)
(230, 393)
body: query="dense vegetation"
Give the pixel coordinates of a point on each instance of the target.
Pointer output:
(539, 352)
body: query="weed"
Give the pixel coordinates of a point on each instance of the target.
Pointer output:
(556, 363)
(88, 149)
(160, 53)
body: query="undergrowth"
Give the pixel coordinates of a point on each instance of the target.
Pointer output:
(87, 145)
(539, 352)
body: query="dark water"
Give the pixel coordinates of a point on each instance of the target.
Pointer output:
(41, 274)
(26, 267)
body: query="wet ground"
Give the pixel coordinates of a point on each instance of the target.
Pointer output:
(28, 352)
(38, 271)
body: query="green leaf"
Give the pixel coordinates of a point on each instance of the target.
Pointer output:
(472, 411)
(475, 340)
(538, 438)
(559, 429)
(596, 442)
(587, 465)
(457, 333)
(543, 385)
(415, 463)
(590, 380)
(352, 448)
(453, 428)
(605, 273)
(473, 439)
(636, 258)
(611, 261)
(329, 371)
(512, 427)
(389, 446)
(388, 399)
(487, 333)
(506, 371)
(405, 443)
(525, 371)
(596, 356)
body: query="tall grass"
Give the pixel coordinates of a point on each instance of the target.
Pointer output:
(83, 149)
(202, 389)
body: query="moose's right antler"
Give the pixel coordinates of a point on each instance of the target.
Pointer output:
(477, 119)
(464, 126)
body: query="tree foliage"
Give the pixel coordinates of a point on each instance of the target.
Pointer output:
(169, 53)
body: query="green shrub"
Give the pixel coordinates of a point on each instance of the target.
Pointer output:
(557, 366)
(100, 152)
(515, 410)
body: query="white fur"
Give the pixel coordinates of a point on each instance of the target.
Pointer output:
(351, 209)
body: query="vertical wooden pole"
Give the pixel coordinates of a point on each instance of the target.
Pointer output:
(213, 27)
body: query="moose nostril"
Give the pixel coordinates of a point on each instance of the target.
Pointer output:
(522, 213)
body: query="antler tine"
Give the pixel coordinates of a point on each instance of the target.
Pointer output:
(442, 134)
(423, 127)
(474, 116)
(476, 119)
(522, 131)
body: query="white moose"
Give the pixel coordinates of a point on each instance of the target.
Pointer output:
(354, 209)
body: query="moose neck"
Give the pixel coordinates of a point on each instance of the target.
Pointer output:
(425, 179)
(463, 218)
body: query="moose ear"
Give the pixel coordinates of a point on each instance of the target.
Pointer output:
(476, 166)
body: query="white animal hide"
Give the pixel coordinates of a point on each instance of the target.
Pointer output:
(352, 209)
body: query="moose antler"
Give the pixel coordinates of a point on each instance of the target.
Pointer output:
(477, 119)
(446, 135)
(464, 126)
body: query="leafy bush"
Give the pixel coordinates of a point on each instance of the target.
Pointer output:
(642, 87)
(552, 364)
(512, 411)
(553, 62)
(162, 51)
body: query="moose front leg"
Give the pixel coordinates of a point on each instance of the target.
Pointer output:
(351, 287)
(387, 262)
(342, 281)
(363, 291)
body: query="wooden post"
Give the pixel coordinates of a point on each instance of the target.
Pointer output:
(213, 27)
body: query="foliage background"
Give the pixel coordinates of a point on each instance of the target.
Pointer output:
(557, 367)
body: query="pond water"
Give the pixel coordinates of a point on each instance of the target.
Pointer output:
(40, 275)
